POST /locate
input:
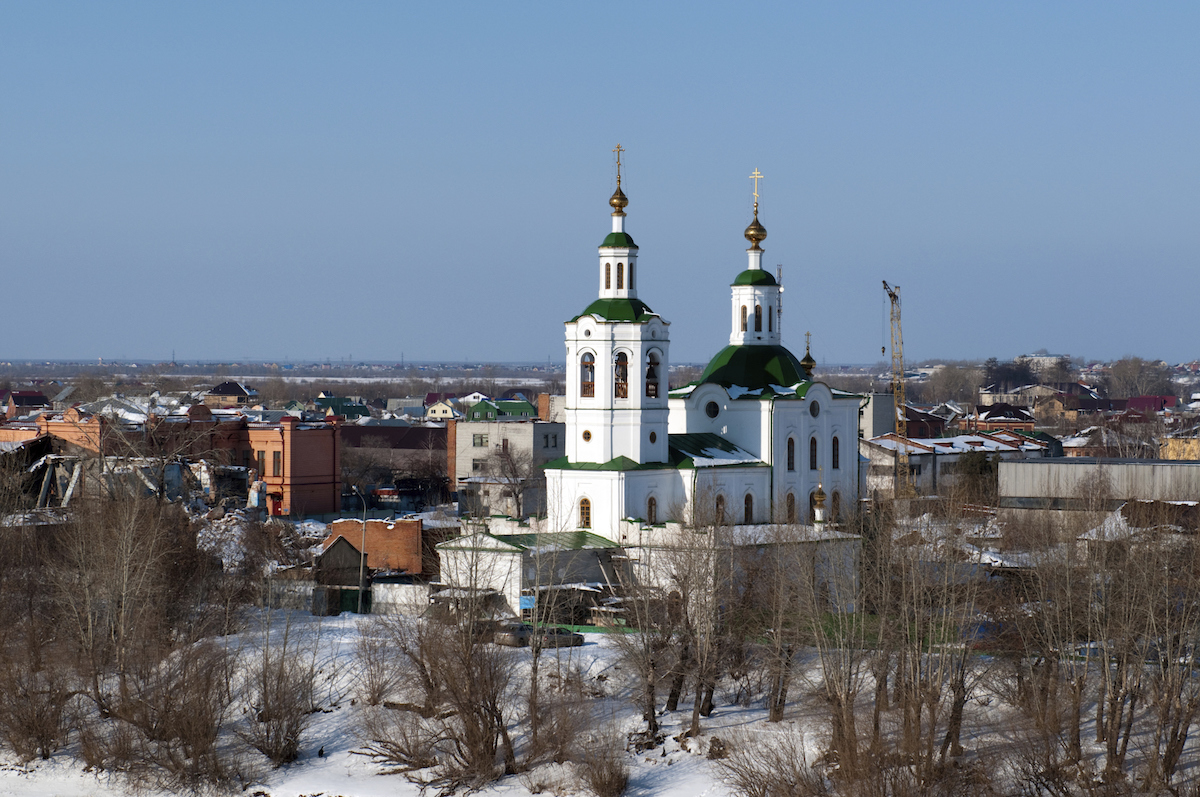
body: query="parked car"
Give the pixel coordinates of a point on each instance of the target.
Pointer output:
(513, 635)
(555, 637)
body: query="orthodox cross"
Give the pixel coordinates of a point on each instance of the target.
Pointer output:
(756, 177)
(618, 149)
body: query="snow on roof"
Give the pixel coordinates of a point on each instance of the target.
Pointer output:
(959, 444)
(706, 450)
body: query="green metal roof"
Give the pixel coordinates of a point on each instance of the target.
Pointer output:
(712, 449)
(570, 540)
(754, 367)
(754, 276)
(682, 451)
(618, 310)
(616, 463)
(621, 240)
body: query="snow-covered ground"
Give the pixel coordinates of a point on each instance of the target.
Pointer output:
(334, 731)
(672, 770)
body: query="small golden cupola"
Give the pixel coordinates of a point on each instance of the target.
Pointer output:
(619, 200)
(819, 497)
(808, 362)
(755, 233)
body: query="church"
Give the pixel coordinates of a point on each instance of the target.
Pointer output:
(755, 440)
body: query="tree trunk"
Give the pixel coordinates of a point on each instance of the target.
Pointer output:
(650, 703)
(779, 684)
(679, 674)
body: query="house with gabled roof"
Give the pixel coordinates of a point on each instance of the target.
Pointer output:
(231, 394)
(18, 403)
(517, 562)
(500, 410)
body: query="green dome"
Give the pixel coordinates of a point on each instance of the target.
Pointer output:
(754, 367)
(619, 240)
(618, 310)
(754, 276)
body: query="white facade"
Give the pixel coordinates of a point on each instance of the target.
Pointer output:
(748, 444)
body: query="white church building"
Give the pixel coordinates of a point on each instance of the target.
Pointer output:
(749, 443)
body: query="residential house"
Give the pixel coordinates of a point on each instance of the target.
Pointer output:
(342, 407)
(442, 410)
(391, 545)
(231, 394)
(19, 403)
(1109, 441)
(998, 416)
(517, 567)
(500, 410)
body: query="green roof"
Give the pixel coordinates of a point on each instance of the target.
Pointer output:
(618, 310)
(682, 450)
(713, 449)
(619, 239)
(754, 276)
(616, 463)
(754, 367)
(570, 540)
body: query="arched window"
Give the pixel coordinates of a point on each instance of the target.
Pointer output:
(791, 508)
(652, 509)
(631, 276)
(812, 507)
(621, 376)
(758, 318)
(652, 375)
(791, 457)
(720, 513)
(743, 318)
(835, 506)
(585, 513)
(835, 458)
(607, 276)
(770, 320)
(620, 276)
(812, 453)
(749, 509)
(587, 375)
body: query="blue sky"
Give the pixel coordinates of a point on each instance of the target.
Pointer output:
(311, 181)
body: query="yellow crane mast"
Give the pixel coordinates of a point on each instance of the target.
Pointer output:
(904, 482)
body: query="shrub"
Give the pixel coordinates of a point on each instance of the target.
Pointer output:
(604, 768)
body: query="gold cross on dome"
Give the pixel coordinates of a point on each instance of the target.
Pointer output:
(756, 177)
(807, 341)
(618, 149)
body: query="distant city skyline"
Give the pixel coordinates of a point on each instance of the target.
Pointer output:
(303, 180)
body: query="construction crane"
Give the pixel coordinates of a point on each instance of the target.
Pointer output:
(904, 483)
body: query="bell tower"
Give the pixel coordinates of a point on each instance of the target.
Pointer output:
(756, 316)
(617, 360)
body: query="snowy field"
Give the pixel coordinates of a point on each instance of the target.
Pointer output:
(328, 765)
(334, 731)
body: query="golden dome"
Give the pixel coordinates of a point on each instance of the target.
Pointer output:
(618, 201)
(808, 362)
(819, 497)
(756, 233)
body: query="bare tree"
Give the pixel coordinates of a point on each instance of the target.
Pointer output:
(282, 678)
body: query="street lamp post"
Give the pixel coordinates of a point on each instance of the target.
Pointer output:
(362, 551)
